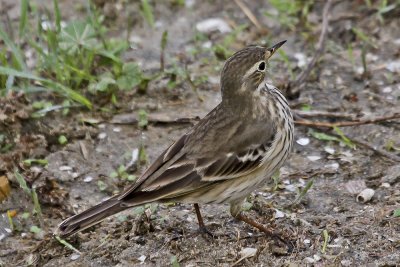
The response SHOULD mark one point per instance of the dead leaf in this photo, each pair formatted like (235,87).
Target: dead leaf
(5,189)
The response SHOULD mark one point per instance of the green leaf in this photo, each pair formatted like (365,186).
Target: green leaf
(102,186)
(344,138)
(29,162)
(67,245)
(174,261)
(147,12)
(22,182)
(324,137)
(396,213)
(164,40)
(77,35)
(143,120)
(131,178)
(62,140)
(34,229)
(36,204)
(247,206)
(364,37)
(103,85)
(25,215)
(326,239)
(306,107)
(131,76)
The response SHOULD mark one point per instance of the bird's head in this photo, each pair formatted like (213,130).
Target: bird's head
(245,70)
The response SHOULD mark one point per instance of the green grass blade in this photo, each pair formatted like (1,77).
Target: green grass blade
(147,12)
(22,182)
(57,15)
(14,49)
(48,83)
(20,74)
(23,18)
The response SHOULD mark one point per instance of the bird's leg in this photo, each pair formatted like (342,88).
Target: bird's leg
(275,236)
(202,227)
(238,214)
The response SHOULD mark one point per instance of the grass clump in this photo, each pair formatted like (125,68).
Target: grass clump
(72,59)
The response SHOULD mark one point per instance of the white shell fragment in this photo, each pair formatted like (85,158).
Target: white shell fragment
(142,258)
(303,141)
(213,24)
(313,158)
(248,252)
(365,195)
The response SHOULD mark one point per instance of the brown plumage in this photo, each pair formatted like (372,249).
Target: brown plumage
(232,151)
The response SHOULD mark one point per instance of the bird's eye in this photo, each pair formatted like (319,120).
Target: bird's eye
(261,66)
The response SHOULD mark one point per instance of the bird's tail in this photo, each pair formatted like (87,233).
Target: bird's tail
(90,217)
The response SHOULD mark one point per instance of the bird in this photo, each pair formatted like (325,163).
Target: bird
(234,150)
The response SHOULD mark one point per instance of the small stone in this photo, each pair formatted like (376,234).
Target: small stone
(213,24)
(346,263)
(248,252)
(88,179)
(333,166)
(329,150)
(75,256)
(102,135)
(313,158)
(142,258)
(309,260)
(65,168)
(117,129)
(393,66)
(303,141)
(387,89)
(279,214)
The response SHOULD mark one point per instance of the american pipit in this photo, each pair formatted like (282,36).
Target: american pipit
(232,151)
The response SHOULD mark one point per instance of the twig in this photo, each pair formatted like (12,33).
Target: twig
(156,118)
(322,113)
(299,82)
(249,14)
(377,150)
(346,123)
(366,145)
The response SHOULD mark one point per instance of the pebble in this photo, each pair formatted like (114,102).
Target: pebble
(213,24)
(387,89)
(385,185)
(142,258)
(393,66)
(75,256)
(65,168)
(303,141)
(279,214)
(88,179)
(102,135)
(329,150)
(313,158)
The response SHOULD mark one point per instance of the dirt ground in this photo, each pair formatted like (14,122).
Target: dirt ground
(326,226)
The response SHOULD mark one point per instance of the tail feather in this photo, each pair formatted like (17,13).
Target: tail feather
(90,217)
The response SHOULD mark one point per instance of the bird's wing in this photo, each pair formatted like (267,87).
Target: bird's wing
(179,170)
(185,176)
